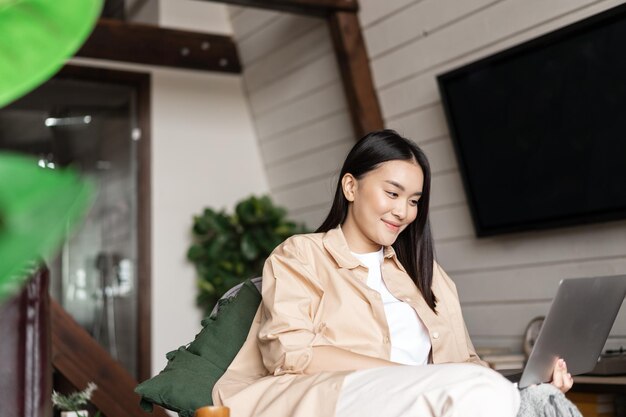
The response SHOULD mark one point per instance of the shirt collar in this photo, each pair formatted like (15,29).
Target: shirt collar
(336,244)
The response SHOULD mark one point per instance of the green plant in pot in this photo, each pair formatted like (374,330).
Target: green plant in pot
(230,248)
(74,404)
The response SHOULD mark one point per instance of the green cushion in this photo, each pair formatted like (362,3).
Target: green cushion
(187,381)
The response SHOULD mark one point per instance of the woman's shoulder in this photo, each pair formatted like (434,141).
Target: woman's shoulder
(300,252)
(300,244)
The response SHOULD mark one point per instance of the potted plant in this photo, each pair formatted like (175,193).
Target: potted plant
(72,405)
(230,248)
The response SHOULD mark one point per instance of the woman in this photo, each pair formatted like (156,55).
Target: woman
(352,315)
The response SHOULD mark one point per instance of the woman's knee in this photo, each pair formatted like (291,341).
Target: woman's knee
(498,395)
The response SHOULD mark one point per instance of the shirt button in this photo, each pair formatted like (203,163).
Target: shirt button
(435,335)
(386,339)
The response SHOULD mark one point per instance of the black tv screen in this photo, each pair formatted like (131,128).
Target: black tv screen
(540,129)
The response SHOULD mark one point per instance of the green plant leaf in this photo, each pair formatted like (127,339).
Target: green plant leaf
(233,247)
(248,247)
(38,207)
(38,36)
(206,286)
(195,253)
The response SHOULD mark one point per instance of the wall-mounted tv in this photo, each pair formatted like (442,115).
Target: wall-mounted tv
(539,130)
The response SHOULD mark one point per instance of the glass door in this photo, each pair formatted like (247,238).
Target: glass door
(92,127)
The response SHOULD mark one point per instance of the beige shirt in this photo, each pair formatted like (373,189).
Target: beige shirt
(315,293)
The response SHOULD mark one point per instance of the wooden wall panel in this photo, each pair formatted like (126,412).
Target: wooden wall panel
(501,20)
(446,190)
(248,21)
(451,222)
(312,217)
(322,103)
(375,11)
(422,125)
(412,94)
(582,242)
(306,140)
(262,43)
(234,11)
(503,320)
(511,319)
(506,342)
(514,343)
(290,56)
(440,155)
(306,80)
(310,167)
(313,193)
(530,281)
(418,21)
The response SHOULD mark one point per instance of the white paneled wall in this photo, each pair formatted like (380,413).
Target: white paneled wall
(304,130)
(297,102)
(504,281)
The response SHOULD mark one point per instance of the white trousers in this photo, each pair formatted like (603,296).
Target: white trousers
(450,390)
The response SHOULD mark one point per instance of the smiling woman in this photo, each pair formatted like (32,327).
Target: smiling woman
(358,318)
(385,184)
(363,292)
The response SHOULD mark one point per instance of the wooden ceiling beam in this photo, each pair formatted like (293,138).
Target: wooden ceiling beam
(151,45)
(305,7)
(355,71)
(114,9)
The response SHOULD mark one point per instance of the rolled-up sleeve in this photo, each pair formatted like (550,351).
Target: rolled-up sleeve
(291,298)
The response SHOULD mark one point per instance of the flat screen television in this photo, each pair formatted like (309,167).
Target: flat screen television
(539,130)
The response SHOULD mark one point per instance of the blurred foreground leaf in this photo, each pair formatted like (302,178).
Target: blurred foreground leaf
(37,37)
(37,208)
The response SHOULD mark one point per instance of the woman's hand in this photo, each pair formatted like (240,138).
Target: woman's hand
(561,378)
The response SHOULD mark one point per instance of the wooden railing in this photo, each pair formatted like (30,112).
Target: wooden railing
(25,372)
(80,359)
(37,334)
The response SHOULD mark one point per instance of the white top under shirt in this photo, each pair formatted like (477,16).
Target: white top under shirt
(410,342)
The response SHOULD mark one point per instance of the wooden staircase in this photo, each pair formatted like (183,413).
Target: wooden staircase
(37,334)
(80,359)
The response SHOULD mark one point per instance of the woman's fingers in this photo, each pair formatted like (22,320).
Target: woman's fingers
(561,378)
(557,374)
(568,382)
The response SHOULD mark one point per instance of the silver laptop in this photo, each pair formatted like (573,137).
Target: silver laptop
(576,327)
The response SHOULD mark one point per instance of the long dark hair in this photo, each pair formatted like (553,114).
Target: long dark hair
(414,246)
